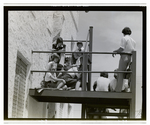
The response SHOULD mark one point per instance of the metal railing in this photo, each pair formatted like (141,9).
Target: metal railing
(88,70)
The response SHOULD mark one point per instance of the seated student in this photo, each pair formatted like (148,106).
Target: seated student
(79,49)
(102,83)
(59,46)
(113,84)
(67,64)
(54,60)
(71,78)
(51,79)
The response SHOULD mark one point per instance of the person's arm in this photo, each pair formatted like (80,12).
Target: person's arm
(76,55)
(94,85)
(57,79)
(122,45)
(60,73)
(118,51)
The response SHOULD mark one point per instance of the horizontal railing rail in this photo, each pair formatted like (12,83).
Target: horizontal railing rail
(81,71)
(80,52)
(74,40)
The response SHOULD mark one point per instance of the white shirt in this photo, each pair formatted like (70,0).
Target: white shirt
(102,84)
(50,64)
(49,76)
(113,84)
(128,44)
(74,74)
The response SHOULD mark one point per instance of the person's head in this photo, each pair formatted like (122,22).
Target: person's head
(126,31)
(55,58)
(67,61)
(59,41)
(59,67)
(79,45)
(52,67)
(104,74)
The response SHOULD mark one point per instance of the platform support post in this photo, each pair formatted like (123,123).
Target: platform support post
(90,56)
(83,111)
(133,85)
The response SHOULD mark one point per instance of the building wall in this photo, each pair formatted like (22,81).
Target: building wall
(35,30)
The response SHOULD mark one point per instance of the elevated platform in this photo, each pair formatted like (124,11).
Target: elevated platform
(82,97)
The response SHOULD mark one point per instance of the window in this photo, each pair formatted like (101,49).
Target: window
(19,89)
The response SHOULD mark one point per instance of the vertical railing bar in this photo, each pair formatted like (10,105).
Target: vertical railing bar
(133,85)
(83,74)
(90,55)
(83,111)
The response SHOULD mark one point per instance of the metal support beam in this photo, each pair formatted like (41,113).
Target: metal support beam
(90,55)
(133,85)
(84,74)
(83,111)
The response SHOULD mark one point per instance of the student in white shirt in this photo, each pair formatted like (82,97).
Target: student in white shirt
(50,77)
(113,83)
(127,46)
(102,83)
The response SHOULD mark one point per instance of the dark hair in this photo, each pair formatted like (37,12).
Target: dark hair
(79,42)
(67,59)
(59,67)
(59,40)
(104,74)
(55,56)
(126,31)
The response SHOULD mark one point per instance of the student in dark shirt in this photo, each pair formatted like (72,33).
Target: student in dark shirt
(59,46)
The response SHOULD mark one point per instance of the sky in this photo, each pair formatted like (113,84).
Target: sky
(107,34)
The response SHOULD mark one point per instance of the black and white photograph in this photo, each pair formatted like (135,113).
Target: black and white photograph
(75,63)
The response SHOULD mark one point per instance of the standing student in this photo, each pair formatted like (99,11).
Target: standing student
(127,45)
(79,49)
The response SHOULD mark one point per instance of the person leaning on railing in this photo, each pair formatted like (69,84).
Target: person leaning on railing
(127,46)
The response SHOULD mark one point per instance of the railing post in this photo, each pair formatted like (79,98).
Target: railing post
(84,75)
(133,85)
(90,56)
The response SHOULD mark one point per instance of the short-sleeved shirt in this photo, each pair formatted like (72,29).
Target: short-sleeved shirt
(102,84)
(48,77)
(77,55)
(128,44)
(49,66)
(74,74)
(113,84)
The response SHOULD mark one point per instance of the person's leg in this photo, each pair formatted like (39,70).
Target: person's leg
(123,63)
(77,85)
(60,85)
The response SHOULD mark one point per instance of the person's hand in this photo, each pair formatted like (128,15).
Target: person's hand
(113,55)
(63,81)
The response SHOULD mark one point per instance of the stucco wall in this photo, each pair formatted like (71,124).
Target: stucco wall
(34,30)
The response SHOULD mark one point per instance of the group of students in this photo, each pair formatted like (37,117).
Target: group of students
(73,80)
(57,62)
(103,83)
(122,80)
